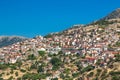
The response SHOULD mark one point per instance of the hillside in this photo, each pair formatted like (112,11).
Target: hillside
(9,40)
(87,52)
(113,15)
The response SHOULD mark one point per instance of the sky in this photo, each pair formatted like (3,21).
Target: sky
(39,17)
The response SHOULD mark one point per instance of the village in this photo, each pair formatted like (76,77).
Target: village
(94,45)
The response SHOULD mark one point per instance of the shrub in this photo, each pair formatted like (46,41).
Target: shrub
(98,72)
(41,53)
(11,71)
(90,74)
(115,77)
(1,79)
(19,78)
(40,69)
(0,75)
(10,78)
(117,44)
(31,57)
(13,67)
(75,75)
(33,66)
(8,74)
(16,73)
(114,73)
(104,73)
(33,76)
(88,68)
(3,66)
(56,61)
(117,57)
(22,70)
(19,64)
(54,79)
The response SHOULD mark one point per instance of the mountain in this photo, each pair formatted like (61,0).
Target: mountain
(113,15)
(82,52)
(9,40)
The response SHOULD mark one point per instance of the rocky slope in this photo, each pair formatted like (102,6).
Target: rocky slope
(9,40)
(114,15)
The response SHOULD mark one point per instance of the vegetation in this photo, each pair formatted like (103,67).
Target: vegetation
(117,44)
(75,75)
(10,78)
(114,73)
(54,79)
(3,66)
(40,69)
(22,70)
(103,75)
(88,68)
(98,72)
(1,79)
(48,36)
(16,73)
(115,77)
(117,57)
(90,74)
(31,57)
(33,66)
(33,76)
(56,62)
(102,22)
(13,67)
(11,71)
(41,53)
(85,63)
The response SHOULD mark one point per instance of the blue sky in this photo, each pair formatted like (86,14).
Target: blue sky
(39,17)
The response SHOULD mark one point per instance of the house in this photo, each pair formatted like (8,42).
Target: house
(53,50)
(41,49)
(12,60)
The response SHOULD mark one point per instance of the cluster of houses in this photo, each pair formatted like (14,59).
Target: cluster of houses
(92,42)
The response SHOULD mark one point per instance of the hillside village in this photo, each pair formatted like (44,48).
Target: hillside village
(90,52)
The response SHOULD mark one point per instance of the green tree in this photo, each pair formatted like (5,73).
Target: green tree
(33,66)
(90,74)
(98,61)
(115,77)
(10,78)
(19,64)
(31,57)
(60,52)
(33,76)
(88,68)
(40,69)
(54,79)
(1,79)
(117,57)
(13,67)
(22,70)
(11,71)
(117,44)
(3,66)
(16,73)
(41,53)
(75,75)
(19,78)
(56,61)
(0,75)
